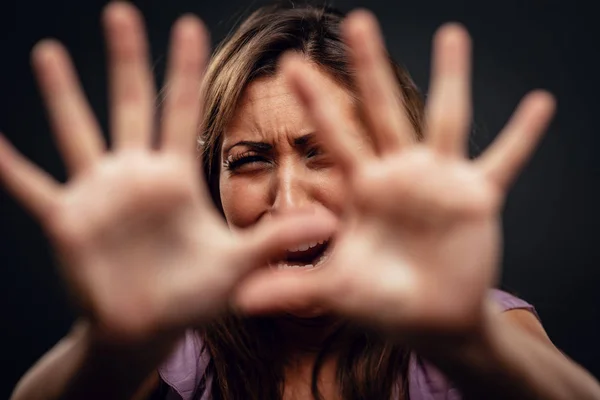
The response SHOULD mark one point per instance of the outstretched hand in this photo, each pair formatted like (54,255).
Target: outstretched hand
(422,239)
(140,245)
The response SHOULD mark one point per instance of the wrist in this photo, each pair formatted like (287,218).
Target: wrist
(468,348)
(141,353)
(480,362)
(456,346)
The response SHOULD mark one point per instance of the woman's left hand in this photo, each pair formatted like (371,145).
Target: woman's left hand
(421,241)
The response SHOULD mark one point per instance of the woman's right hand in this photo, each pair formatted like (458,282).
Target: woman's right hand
(139,243)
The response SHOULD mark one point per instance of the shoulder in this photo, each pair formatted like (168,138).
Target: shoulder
(508,302)
(185,369)
(517,312)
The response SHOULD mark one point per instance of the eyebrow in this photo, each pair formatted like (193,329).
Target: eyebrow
(258,146)
(304,139)
(264,147)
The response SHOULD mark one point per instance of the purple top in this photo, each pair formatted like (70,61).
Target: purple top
(184,370)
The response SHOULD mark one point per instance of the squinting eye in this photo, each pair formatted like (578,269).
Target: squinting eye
(235,163)
(313,152)
(318,158)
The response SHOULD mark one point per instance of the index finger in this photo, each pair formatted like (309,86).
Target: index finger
(336,131)
(381,95)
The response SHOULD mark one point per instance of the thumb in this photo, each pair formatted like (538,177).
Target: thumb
(303,293)
(270,240)
(268,291)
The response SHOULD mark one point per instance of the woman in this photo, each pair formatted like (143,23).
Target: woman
(358,242)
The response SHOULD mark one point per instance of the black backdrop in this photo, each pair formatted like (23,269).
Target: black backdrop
(550,219)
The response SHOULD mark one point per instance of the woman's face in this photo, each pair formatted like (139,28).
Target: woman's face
(273,165)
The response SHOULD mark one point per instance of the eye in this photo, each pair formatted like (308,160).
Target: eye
(318,158)
(313,152)
(247,159)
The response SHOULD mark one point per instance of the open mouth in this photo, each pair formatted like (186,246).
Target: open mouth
(306,255)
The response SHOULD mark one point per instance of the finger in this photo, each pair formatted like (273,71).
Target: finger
(379,89)
(276,291)
(506,156)
(270,239)
(77,133)
(335,131)
(449,105)
(254,249)
(32,187)
(131,83)
(189,50)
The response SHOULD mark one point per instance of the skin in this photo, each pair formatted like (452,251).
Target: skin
(293,176)
(290,178)
(136,261)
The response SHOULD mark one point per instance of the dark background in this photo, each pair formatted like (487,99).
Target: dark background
(550,219)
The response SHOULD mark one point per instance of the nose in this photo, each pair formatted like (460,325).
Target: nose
(290,190)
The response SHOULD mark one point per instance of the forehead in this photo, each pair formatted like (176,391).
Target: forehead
(269,108)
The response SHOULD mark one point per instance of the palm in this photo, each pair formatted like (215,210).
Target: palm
(421,242)
(426,231)
(132,230)
(140,244)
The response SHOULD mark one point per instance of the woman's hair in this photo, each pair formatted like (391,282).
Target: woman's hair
(247,361)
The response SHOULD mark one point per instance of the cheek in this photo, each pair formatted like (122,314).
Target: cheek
(243,199)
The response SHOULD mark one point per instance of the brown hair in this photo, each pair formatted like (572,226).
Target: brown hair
(246,360)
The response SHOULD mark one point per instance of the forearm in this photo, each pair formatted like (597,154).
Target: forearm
(508,362)
(81,367)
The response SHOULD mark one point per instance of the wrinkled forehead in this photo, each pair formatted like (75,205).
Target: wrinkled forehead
(269,109)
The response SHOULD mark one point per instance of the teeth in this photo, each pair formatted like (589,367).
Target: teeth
(305,246)
(286,266)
